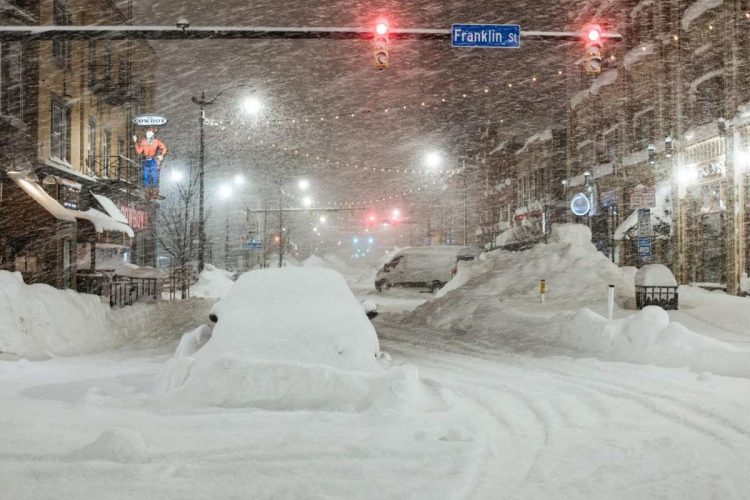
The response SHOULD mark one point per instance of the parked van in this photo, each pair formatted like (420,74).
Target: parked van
(430,267)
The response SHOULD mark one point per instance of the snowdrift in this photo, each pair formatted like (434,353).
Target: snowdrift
(495,302)
(213,283)
(39,321)
(291,338)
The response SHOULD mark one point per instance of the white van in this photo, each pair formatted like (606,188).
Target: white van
(430,267)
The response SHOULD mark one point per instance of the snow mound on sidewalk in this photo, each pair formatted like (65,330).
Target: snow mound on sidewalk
(114,445)
(213,283)
(648,337)
(38,321)
(288,338)
(576,275)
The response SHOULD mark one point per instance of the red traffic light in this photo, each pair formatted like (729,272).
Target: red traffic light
(594,34)
(381,28)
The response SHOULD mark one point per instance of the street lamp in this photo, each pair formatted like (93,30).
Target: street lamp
(433,159)
(302,185)
(203,102)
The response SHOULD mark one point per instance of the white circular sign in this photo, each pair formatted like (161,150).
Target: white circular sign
(580,204)
(149,120)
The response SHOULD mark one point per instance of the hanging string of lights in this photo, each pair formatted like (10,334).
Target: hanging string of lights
(422,104)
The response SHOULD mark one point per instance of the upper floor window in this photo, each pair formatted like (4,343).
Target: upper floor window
(61,16)
(60,130)
(643,128)
(92,65)
(11,80)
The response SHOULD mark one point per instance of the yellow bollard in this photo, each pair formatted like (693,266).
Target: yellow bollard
(542,290)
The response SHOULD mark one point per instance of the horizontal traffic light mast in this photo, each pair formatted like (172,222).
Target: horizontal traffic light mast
(183,31)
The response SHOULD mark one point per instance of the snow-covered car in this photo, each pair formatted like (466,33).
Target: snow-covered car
(430,267)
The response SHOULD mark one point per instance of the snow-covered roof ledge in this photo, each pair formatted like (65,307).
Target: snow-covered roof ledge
(543,136)
(103,222)
(635,55)
(696,10)
(703,79)
(498,148)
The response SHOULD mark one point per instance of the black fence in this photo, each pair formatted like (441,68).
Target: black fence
(127,291)
(665,297)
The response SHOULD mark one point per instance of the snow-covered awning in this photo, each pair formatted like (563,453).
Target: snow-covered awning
(101,221)
(111,209)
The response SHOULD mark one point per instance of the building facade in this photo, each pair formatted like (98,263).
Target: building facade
(72,206)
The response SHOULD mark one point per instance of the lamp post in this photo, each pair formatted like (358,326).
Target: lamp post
(302,185)
(203,102)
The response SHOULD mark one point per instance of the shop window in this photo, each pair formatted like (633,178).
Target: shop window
(60,131)
(67,268)
(714,198)
(26,264)
(83,256)
(11,79)
(61,16)
(91,146)
(70,197)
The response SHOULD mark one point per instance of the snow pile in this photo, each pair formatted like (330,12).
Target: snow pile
(648,337)
(213,283)
(114,445)
(292,338)
(39,321)
(576,275)
(655,275)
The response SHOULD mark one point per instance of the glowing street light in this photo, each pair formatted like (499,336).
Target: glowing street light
(303,185)
(176,176)
(306,201)
(433,159)
(323,219)
(239,180)
(225,191)
(381,28)
(252,105)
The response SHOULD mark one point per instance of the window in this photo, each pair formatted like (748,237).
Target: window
(69,197)
(60,133)
(91,146)
(643,128)
(92,65)
(12,79)
(106,140)
(61,16)
(67,250)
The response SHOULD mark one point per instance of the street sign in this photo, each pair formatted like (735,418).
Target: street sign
(149,121)
(642,197)
(644,222)
(252,245)
(488,36)
(644,249)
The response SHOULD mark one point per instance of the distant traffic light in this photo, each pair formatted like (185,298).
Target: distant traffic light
(380,45)
(593,60)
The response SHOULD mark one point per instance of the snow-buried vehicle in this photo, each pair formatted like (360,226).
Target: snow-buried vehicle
(290,338)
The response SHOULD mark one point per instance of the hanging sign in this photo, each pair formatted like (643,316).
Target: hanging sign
(149,120)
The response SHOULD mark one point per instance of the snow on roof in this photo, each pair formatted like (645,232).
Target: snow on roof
(101,221)
(635,55)
(39,195)
(543,136)
(703,79)
(697,9)
(498,148)
(637,9)
(606,78)
(111,209)
(659,213)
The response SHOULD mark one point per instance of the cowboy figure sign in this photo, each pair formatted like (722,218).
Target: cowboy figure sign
(152,152)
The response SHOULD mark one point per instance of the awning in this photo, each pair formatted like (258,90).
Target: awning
(101,221)
(111,209)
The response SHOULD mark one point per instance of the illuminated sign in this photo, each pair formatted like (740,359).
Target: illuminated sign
(580,204)
(149,120)
(137,219)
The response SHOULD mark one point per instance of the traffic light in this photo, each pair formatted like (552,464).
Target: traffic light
(593,61)
(380,45)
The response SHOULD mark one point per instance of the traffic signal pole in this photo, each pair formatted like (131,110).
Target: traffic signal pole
(184,31)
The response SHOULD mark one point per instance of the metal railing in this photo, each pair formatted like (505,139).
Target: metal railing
(179,281)
(127,291)
(116,167)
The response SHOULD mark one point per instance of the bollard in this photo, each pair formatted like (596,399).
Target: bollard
(542,290)
(611,302)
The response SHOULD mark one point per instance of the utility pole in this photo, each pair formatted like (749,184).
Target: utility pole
(201,185)
(265,239)
(281,229)
(226,243)
(466,210)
